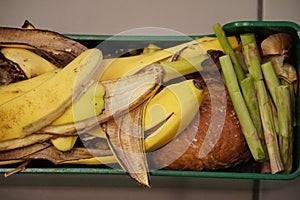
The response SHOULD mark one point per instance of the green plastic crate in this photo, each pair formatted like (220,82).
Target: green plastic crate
(134,42)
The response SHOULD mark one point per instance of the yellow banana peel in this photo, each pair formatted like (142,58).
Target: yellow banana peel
(30,63)
(65,143)
(19,117)
(90,104)
(13,90)
(119,67)
(172,109)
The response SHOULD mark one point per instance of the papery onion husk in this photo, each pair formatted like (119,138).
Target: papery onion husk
(276,44)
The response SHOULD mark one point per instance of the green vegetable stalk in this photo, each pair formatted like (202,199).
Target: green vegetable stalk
(229,51)
(271,79)
(253,62)
(241,109)
(250,97)
(269,127)
(285,125)
(293,100)
(248,38)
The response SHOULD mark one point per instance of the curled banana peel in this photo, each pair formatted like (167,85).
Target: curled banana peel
(13,90)
(90,104)
(29,62)
(170,112)
(120,67)
(125,133)
(125,138)
(19,118)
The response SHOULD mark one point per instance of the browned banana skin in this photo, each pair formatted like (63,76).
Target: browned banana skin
(47,43)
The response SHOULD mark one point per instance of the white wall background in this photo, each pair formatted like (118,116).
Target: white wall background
(114,16)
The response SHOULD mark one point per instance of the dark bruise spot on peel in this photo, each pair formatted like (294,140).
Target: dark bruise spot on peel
(10,72)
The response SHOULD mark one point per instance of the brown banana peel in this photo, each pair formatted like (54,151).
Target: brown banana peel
(22,152)
(126,140)
(60,49)
(41,39)
(26,141)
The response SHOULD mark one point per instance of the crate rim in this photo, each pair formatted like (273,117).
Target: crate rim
(239,24)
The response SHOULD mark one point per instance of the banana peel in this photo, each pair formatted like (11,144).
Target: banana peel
(22,152)
(19,118)
(26,141)
(13,90)
(57,48)
(121,95)
(9,162)
(124,134)
(65,143)
(46,151)
(120,67)
(125,138)
(41,39)
(183,67)
(90,104)
(171,111)
(30,63)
